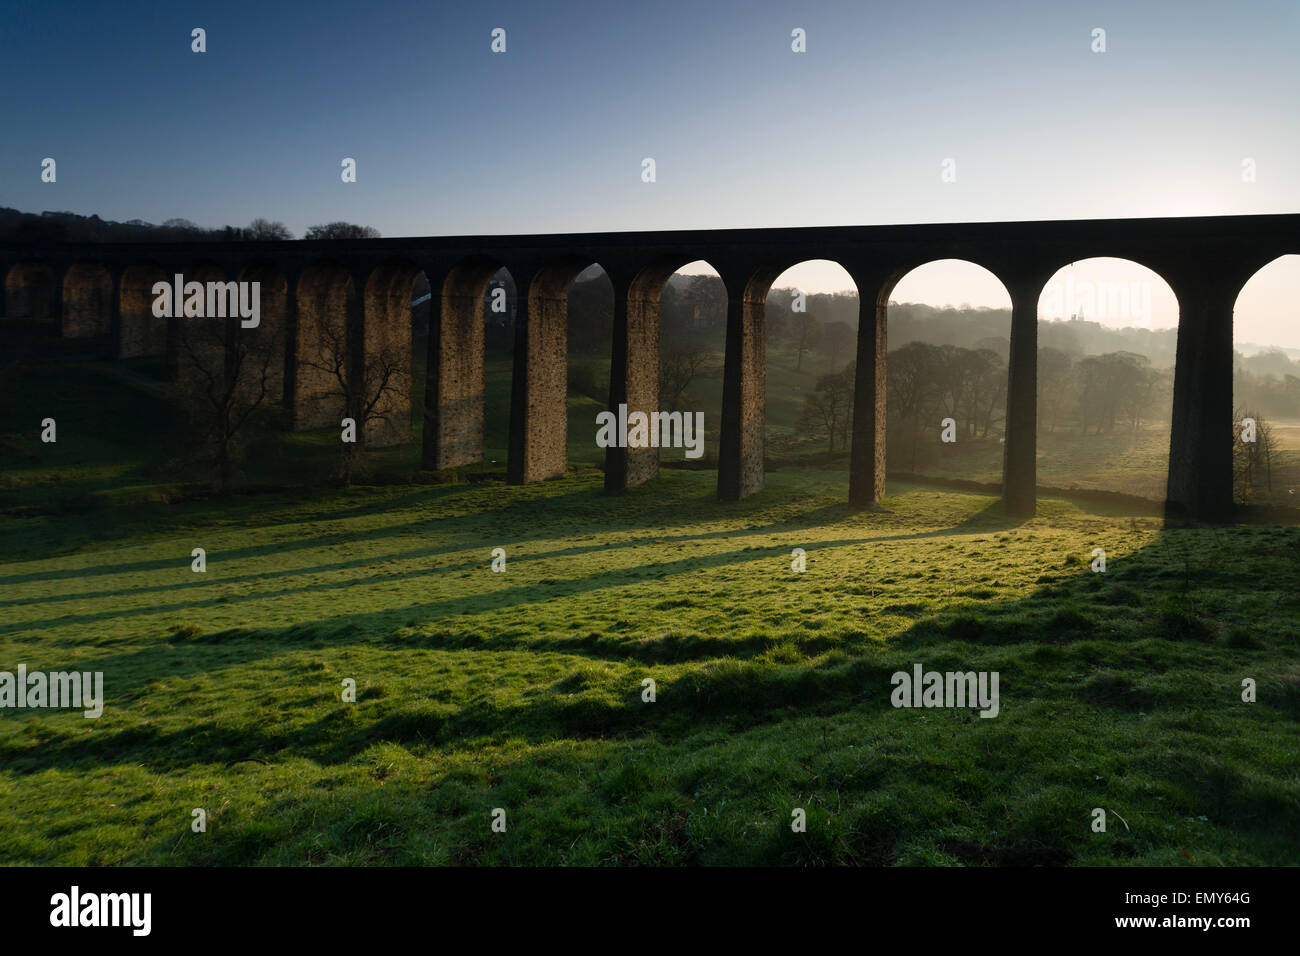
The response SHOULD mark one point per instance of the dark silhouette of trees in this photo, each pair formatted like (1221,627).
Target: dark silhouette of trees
(340,230)
(371,393)
(261,230)
(227,376)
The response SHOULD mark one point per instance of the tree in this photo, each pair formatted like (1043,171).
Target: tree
(1113,385)
(679,366)
(807,333)
(1055,370)
(227,374)
(1252,462)
(913,394)
(987,389)
(341,230)
(371,393)
(828,409)
(837,342)
(590,315)
(261,230)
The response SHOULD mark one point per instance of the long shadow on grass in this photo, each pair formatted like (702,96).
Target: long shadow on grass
(987,518)
(505,597)
(238,648)
(1092,646)
(816,517)
(515,516)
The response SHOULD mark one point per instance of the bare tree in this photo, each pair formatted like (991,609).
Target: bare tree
(828,408)
(1252,461)
(264,229)
(679,366)
(227,374)
(370,392)
(341,230)
(807,333)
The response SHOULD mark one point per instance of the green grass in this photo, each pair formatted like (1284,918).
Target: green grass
(522,690)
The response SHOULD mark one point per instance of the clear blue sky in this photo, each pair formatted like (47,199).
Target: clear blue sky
(450,138)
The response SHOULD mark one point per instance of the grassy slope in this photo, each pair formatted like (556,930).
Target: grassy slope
(521,690)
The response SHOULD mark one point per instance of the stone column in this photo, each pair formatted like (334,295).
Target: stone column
(744,391)
(539,430)
(867,458)
(114,346)
(290,347)
(1019,461)
(59,274)
(1200,439)
(455,386)
(634,375)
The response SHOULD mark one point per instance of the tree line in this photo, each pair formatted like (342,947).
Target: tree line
(1088,395)
(72,227)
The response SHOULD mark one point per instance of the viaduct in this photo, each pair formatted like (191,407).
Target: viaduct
(359,292)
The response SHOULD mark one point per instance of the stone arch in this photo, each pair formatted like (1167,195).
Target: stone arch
(87,301)
(328,309)
(31,291)
(140,333)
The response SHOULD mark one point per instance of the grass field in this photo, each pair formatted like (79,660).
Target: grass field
(523,690)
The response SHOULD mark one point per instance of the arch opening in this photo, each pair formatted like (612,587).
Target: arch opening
(1266,386)
(30,291)
(589,333)
(949,335)
(87,302)
(811,313)
(690,317)
(1107,343)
